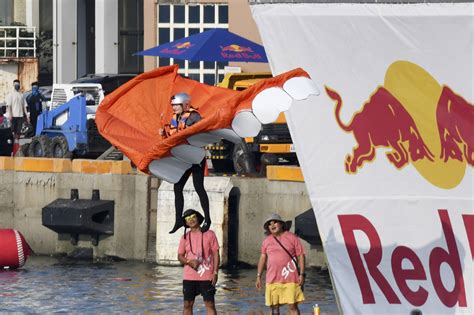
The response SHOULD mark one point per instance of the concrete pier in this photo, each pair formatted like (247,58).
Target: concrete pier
(24,194)
(144,212)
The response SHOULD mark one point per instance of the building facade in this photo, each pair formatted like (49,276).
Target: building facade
(77,37)
(166,21)
(96,37)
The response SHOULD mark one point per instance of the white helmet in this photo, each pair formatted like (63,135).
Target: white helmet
(181,98)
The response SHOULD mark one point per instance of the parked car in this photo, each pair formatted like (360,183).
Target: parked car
(108,81)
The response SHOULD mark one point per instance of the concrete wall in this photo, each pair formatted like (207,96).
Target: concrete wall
(23,69)
(149,34)
(8,73)
(241,22)
(32,13)
(19,11)
(218,189)
(7,205)
(24,194)
(259,198)
(64,41)
(238,205)
(106,36)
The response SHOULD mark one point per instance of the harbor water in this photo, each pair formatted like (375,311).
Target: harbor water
(59,285)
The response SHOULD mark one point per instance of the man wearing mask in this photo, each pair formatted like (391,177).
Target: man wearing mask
(16,109)
(35,104)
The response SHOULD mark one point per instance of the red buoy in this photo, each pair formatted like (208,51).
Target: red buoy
(14,249)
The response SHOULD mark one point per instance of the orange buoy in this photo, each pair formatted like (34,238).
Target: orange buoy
(15,249)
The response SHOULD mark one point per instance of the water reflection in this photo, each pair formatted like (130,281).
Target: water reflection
(48,285)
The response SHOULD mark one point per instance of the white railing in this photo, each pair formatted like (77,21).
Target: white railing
(17,42)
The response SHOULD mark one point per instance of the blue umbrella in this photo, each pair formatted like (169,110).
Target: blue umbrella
(213,45)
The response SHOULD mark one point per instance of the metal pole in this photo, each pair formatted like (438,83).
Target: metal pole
(34,41)
(17,41)
(216,79)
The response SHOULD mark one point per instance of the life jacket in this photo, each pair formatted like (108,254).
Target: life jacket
(176,125)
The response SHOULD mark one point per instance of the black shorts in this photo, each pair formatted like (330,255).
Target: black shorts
(192,288)
(17,123)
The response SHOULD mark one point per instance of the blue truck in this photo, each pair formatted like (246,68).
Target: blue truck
(67,131)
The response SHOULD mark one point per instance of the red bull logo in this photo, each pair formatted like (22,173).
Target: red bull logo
(184,45)
(177,49)
(234,52)
(418,120)
(236,48)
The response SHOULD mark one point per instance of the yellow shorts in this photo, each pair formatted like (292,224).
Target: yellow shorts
(283,293)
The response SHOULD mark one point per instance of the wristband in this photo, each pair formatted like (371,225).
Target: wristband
(259,275)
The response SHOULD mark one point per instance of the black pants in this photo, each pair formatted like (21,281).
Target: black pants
(17,123)
(34,121)
(197,170)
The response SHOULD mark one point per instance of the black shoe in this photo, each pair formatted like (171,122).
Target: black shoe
(176,227)
(206,225)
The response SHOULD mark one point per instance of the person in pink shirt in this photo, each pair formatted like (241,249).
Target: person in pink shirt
(199,253)
(283,255)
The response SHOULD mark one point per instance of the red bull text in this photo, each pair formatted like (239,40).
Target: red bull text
(449,257)
(239,52)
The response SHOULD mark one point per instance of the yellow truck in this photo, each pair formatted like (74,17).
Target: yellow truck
(271,146)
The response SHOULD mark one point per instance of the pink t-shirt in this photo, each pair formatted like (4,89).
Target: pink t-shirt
(191,247)
(280,267)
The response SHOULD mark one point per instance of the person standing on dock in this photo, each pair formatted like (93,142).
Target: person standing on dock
(283,255)
(35,104)
(198,251)
(16,109)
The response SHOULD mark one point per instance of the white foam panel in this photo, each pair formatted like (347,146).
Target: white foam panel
(269,103)
(203,139)
(169,169)
(189,153)
(300,88)
(245,124)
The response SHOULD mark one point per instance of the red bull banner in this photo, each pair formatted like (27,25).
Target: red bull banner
(387,148)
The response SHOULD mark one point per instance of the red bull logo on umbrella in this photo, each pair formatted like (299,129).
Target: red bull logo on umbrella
(236,48)
(418,120)
(184,45)
(237,51)
(178,48)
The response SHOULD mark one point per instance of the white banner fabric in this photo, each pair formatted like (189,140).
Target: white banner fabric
(387,149)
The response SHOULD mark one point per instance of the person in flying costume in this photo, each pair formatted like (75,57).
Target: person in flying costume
(133,117)
(184,115)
